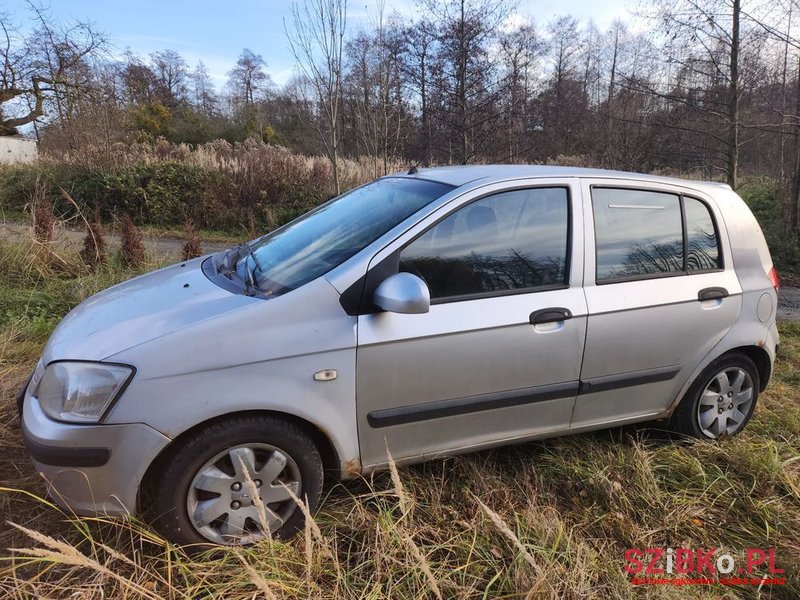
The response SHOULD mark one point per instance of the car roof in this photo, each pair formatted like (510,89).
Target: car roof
(462,175)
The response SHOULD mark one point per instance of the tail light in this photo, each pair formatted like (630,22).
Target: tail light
(773,277)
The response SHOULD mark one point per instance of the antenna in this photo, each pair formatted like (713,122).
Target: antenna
(415,167)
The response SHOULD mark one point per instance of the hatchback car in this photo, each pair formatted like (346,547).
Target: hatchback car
(421,315)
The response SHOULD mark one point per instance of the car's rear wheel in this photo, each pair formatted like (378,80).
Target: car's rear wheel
(237,481)
(721,400)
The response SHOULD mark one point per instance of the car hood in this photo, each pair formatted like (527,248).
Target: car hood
(140,310)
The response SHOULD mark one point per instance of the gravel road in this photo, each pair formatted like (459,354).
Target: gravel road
(789,303)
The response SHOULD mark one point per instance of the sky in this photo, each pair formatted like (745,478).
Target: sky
(216,32)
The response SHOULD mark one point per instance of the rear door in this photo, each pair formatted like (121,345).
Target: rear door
(498,355)
(660,290)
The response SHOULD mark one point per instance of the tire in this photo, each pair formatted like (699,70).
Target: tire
(200,497)
(721,400)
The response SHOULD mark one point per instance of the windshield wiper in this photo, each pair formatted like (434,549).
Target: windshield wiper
(232,257)
(252,255)
(228,263)
(249,280)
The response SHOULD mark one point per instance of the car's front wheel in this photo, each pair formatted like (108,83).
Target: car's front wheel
(721,400)
(237,481)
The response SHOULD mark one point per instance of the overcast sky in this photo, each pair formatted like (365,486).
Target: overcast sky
(215,32)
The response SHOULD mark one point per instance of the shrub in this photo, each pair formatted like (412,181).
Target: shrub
(41,208)
(194,245)
(764,197)
(94,245)
(132,251)
(234,187)
(43,222)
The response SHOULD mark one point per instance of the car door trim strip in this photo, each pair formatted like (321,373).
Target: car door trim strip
(460,406)
(620,380)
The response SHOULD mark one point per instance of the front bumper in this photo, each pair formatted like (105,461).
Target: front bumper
(90,469)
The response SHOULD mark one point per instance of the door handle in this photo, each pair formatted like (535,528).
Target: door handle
(550,315)
(712,293)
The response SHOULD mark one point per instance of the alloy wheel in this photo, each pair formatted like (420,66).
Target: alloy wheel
(243,493)
(725,402)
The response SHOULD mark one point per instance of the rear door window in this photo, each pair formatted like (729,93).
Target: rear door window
(641,234)
(638,233)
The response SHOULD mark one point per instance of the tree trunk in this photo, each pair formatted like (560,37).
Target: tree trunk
(462,88)
(610,99)
(426,126)
(733,101)
(794,197)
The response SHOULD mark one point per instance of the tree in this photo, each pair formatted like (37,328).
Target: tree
(139,81)
(204,97)
(705,43)
(417,55)
(171,76)
(317,42)
(564,102)
(520,49)
(248,81)
(467,82)
(249,87)
(375,90)
(43,69)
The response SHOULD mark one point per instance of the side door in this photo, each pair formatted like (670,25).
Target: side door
(661,292)
(498,355)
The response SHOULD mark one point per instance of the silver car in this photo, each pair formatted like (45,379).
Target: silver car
(421,315)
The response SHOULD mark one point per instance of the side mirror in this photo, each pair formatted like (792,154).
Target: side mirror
(403,293)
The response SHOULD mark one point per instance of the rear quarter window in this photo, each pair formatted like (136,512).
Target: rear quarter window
(702,244)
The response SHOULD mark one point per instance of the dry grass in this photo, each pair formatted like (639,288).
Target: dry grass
(240,189)
(542,520)
(194,245)
(94,251)
(224,156)
(132,252)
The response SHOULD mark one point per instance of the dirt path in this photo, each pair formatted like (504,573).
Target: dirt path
(789,303)
(158,247)
(170,249)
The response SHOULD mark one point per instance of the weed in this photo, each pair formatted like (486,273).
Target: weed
(132,251)
(194,245)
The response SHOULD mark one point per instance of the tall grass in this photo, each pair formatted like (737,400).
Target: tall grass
(549,519)
(217,185)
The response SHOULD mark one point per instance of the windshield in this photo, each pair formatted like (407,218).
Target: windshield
(327,236)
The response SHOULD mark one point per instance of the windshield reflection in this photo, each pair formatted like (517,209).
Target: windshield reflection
(326,237)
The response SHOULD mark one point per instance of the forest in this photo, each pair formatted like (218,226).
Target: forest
(702,88)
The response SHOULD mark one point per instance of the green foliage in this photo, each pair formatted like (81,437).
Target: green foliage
(216,185)
(764,197)
(152,119)
(163,194)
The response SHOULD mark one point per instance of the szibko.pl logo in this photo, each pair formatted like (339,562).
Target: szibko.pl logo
(704,565)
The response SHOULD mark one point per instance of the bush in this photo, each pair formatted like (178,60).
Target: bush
(43,223)
(93,252)
(764,196)
(194,245)
(216,185)
(132,251)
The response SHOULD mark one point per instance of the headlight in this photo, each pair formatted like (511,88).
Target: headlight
(80,392)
